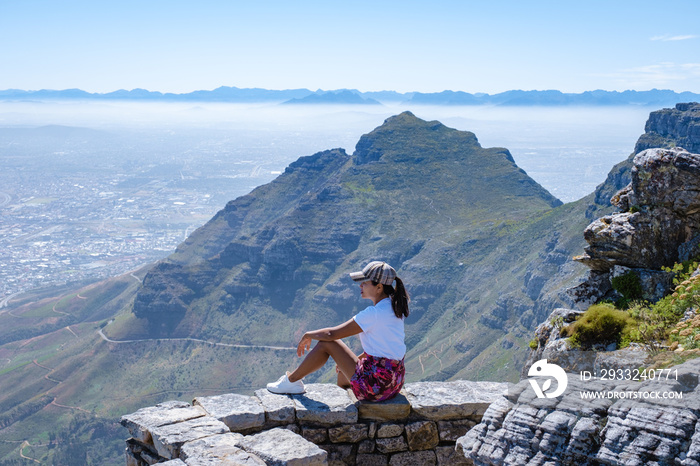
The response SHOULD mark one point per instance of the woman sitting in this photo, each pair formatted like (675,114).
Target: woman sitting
(378,373)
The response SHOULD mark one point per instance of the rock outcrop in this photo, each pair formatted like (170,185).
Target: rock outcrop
(672,127)
(659,213)
(326,425)
(658,225)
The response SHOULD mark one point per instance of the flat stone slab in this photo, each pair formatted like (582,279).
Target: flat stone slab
(218,450)
(441,401)
(170,438)
(239,412)
(142,421)
(280,446)
(395,409)
(278,408)
(325,404)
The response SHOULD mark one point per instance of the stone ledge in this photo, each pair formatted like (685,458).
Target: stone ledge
(169,439)
(326,424)
(218,449)
(444,401)
(279,409)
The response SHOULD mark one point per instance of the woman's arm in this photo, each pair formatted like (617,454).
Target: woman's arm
(343,330)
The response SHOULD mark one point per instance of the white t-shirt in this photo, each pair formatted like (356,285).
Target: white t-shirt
(382,332)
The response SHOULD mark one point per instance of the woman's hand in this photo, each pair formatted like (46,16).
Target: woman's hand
(304,345)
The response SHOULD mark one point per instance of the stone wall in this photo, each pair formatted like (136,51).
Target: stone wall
(326,425)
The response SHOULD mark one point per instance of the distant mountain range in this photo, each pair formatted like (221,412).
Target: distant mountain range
(343,97)
(654,97)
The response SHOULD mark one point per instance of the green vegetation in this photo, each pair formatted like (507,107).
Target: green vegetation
(629,286)
(658,326)
(600,324)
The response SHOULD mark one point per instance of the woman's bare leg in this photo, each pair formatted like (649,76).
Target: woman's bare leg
(317,357)
(343,382)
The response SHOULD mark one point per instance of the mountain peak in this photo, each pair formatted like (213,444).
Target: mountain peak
(404,132)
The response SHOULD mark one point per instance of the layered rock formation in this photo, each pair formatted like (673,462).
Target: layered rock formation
(626,423)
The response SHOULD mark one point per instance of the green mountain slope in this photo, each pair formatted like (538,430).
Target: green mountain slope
(458,221)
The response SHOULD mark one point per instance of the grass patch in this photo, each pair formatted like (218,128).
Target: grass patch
(629,286)
(600,324)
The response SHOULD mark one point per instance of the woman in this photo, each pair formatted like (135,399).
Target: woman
(378,373)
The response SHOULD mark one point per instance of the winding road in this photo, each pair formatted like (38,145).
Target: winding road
(6,300)
(21,452)
(197,340)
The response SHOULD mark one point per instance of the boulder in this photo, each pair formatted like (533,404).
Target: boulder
(218,450)
(660,213)
(170,438)
(240,413)
(144,420)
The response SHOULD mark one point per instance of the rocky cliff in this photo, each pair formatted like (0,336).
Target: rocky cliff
(658,224)
(667,128)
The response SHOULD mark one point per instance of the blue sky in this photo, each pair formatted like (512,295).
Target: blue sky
(473,46)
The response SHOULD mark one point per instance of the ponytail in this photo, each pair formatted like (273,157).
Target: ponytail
(399,298)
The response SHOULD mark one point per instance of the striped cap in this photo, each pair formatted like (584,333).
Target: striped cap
(376,271)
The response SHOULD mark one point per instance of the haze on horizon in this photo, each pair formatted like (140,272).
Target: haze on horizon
(410,46)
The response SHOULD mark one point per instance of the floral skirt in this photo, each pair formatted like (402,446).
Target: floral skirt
(377,379)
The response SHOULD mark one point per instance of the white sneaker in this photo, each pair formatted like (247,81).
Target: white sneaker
(284,386)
